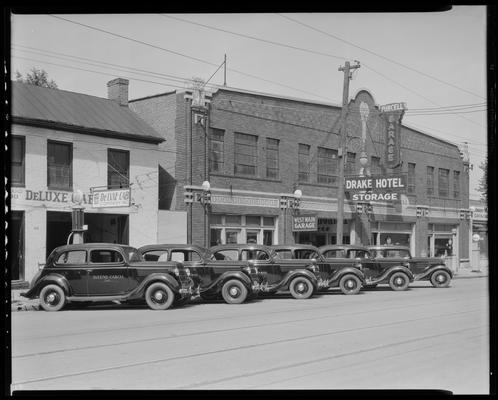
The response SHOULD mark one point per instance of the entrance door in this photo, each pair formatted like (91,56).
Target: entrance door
(16,246)
(107,273)
(59,227)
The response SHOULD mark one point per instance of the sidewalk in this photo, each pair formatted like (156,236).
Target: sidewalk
(19,303)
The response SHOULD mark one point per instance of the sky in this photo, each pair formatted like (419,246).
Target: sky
(435,62)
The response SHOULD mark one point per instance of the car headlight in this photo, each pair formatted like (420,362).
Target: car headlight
(176,271)
(256,270)
(187,271)
(247,269)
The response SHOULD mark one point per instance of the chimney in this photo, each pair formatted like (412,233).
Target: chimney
(117,90)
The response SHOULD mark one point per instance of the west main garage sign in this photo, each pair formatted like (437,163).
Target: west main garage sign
(376,188)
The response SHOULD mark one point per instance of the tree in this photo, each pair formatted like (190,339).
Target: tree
(38,77)
(483,182)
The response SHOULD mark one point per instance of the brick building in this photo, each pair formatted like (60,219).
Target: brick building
(62,142)
(256,150)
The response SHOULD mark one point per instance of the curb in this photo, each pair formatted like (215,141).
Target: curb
(19,306)
(469,276)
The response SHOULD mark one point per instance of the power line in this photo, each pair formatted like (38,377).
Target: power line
(186,56)
(381,56)
(256,38)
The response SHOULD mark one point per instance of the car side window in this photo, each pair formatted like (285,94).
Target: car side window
(105,256)
(334,254)
(177,256)
(72,257)
(305,254)
(226,255)
(254,255)
(156,255)
(284,254)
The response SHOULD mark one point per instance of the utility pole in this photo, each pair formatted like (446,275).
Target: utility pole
(225,71)
(342,153)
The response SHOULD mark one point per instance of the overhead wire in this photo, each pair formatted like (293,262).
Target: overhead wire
(381,56)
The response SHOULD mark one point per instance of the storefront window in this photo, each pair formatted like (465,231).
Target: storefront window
(456,184)
(327,166)
(256,229)
(18,152)
(217,152)
(246,154)
(304,163)
(59,165)
(430,181)
(272,158)
(118,169)
(16,245)
(411,178)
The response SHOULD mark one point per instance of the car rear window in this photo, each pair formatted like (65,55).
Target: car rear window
(72,257)
(105,256)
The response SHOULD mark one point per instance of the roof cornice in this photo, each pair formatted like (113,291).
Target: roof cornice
(85,130)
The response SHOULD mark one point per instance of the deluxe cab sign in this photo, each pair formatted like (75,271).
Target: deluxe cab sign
(111,198)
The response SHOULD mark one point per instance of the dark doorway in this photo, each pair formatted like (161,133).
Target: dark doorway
(107,228)
(16,246)
(59,226)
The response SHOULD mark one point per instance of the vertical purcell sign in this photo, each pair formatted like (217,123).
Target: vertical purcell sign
(392,114)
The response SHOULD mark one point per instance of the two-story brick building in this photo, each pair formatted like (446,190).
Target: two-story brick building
(257,149)
(64,142)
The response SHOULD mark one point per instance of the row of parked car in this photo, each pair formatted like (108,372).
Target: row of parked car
(165,275)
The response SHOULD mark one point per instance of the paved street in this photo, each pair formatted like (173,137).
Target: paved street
(424,338)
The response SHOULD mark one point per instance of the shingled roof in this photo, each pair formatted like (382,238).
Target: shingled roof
(77,112)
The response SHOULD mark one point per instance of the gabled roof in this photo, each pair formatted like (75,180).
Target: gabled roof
(77,112)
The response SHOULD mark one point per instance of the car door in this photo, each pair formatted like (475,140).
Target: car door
(72,264)
(107,273)
(224,260)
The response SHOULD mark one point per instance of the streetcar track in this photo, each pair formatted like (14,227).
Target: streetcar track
(335,356)
(205,332)
(170,323)
(342,366)
(251,346)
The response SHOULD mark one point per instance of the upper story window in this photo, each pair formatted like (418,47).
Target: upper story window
(375,165)
(272,170)
(456,184)
(59,165)
(430,181)
(118,168)
(327,166)
(18,168)
(411,178)
(303,156)
(246,154)
(217,156)
(350,164)
(443,182)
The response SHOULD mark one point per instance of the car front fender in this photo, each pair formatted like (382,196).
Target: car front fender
(217,284)
(165,278)
(391,270)
(336,277)
(300,272)
(431,269)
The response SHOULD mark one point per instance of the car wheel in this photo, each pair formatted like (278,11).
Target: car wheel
(234,292)
(52,298)
(440,279)
(301,288)
(399,281)
(159,296)
(350,284)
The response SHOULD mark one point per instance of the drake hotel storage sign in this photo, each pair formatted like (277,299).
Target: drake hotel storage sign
(376,188)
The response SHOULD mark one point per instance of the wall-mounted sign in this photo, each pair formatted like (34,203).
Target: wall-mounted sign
(47,196)
(111,198)
(304,223)
(393,113)
(376,188)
